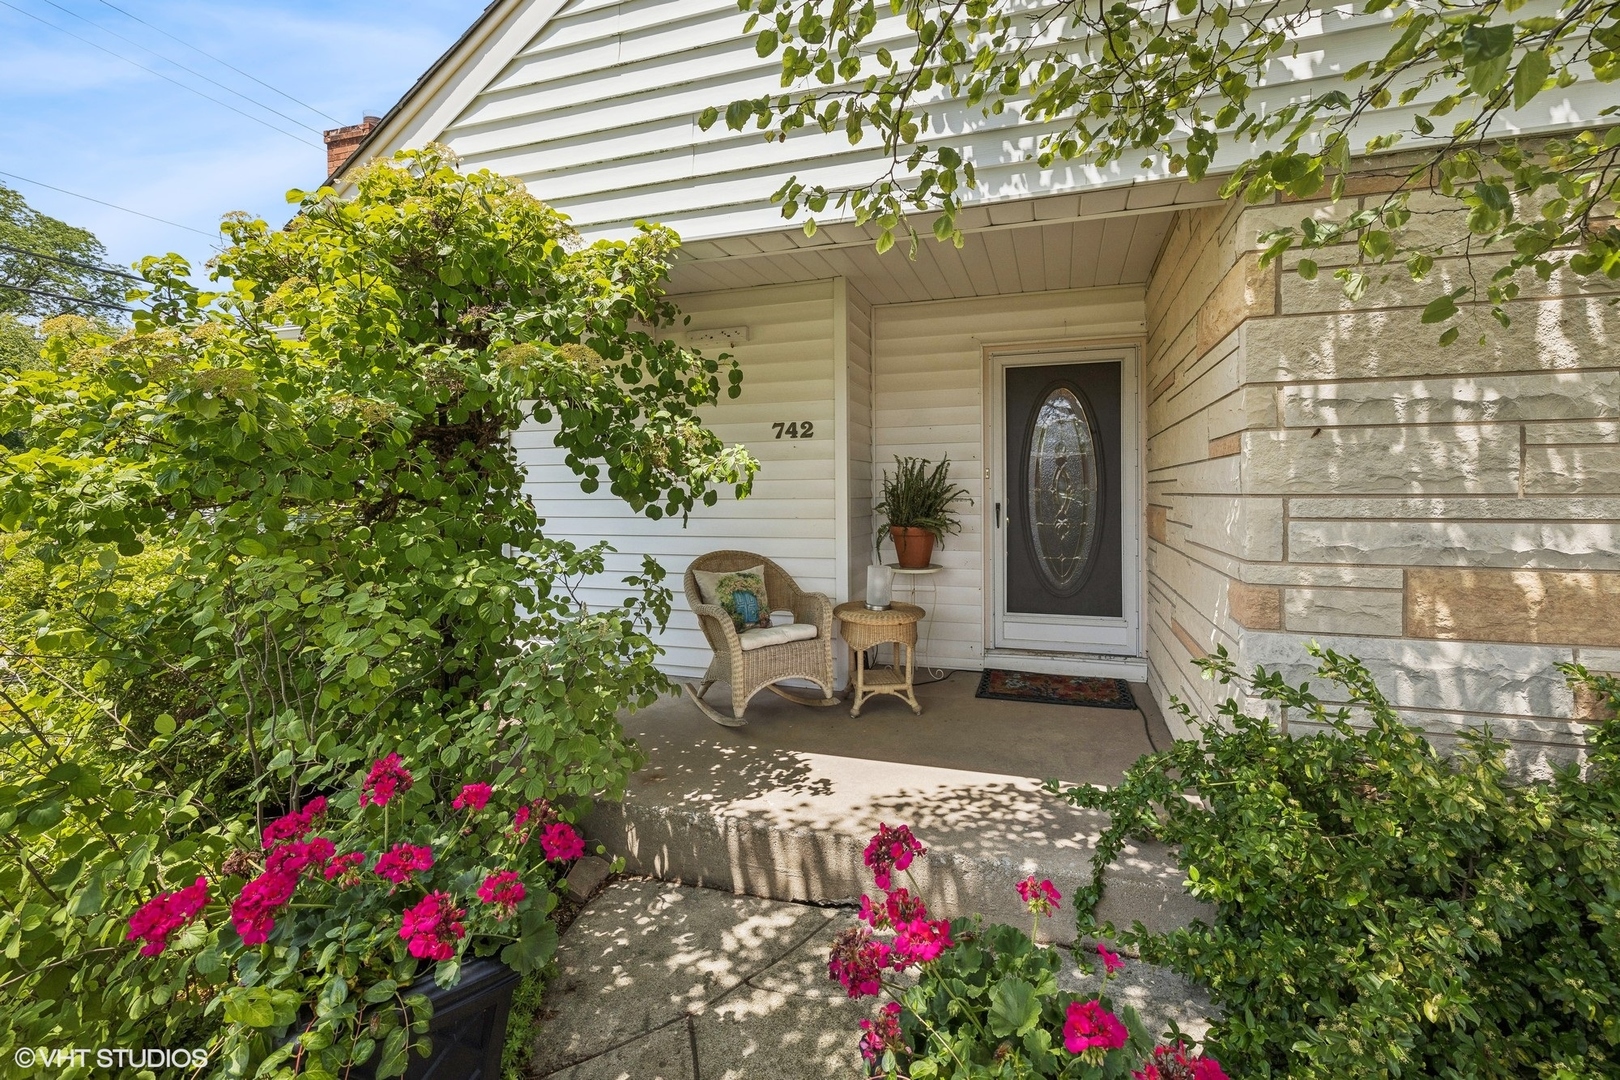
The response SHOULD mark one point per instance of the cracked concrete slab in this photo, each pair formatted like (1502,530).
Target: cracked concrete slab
(668,982)
(643,954)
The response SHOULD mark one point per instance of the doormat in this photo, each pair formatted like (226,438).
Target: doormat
(1056,689)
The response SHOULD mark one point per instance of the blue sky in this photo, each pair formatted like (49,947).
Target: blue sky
(75,117)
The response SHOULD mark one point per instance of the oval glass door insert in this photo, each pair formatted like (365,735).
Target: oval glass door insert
(1063,486)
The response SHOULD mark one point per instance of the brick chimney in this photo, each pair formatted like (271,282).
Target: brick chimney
(342,142)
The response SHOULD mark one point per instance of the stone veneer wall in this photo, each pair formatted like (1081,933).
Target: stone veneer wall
(1321,470)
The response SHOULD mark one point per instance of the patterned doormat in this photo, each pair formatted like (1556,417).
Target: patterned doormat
(1056,689)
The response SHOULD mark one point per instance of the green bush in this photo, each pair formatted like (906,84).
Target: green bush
(318,453)
(1383,910)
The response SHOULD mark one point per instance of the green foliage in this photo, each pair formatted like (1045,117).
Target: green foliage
(61,266)
(917,497)
(990,1007)
(319,450)
(523,1024)
(1107,83)
(1382,910)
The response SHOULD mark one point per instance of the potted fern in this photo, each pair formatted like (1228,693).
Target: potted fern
(916,506)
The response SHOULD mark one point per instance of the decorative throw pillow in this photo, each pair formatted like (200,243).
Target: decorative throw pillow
(741,593)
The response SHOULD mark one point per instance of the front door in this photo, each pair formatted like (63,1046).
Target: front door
(1065,505)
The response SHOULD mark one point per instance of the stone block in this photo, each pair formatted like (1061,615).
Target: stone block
(1558,545)
(1255,607)
(1226,445)
(1458,400)
(1246,291)
(586,876)
(1259,220)
(1572,470)
(1188,642)
(1329,576)
(1544,336)
(1415,460)
(1486,679)
(1492,508)
(1157,523)
(1572,433)
(1543,607)
(1210,475)
(1343,611)
(1248,528)
(1326,293)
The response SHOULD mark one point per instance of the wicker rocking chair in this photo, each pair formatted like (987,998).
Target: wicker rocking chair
(750,667)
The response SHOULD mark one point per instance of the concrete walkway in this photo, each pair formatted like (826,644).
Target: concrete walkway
(782,808)
(666,982)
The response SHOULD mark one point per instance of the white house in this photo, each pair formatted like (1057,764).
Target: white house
(1276,465)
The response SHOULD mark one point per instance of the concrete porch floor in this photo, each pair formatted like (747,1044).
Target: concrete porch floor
(783,808)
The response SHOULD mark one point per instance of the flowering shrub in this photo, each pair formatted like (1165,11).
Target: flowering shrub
(1382,910)
(985,1000)
(417,902)
(349,595)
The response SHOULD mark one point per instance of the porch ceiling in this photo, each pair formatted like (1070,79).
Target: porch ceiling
(1035,245)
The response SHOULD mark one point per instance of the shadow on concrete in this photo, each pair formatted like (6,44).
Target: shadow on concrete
(784,807)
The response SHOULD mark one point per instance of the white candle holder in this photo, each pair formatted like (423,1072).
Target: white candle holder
(879,587)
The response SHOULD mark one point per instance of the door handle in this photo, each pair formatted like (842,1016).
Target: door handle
(998,515)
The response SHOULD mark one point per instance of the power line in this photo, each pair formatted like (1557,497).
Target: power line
(71,262)
(64,296)
(103,202)
(151,71)
(217,60)
(182,67)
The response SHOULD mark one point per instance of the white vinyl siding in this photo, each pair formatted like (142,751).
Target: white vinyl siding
(928,373)
(789,516)
(595,103)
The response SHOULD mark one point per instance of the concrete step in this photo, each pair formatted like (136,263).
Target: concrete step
(783,808)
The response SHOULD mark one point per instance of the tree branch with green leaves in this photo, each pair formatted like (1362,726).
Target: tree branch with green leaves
(1192,86)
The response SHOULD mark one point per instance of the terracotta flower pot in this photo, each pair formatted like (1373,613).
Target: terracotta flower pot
(912,547)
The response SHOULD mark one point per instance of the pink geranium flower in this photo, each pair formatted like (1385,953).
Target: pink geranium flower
(891,850)
(920,940)
(295,855)
(1179,1063)
(388,777)
(1041,897)
(432,927)
(296,825)
(857,962)
(472,797)
(1110,959)
(1087,1025)
(561,843)
(504,890)
(253,912)
(403,860)
(345,869)
(158,918)
(882,1034)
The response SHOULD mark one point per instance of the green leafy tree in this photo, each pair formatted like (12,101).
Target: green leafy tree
(48,267)
(1178,82)
(320,452)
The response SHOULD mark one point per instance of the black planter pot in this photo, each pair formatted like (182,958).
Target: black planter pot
(468,1028)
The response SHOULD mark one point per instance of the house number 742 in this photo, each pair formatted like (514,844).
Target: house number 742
(802,429)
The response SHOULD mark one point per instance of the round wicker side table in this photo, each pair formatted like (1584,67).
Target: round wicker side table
(862,628)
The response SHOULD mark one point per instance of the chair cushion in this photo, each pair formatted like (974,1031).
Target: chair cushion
(775,635)
(740,592)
